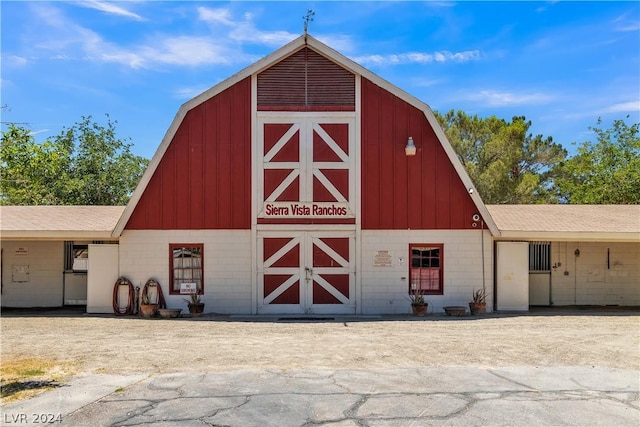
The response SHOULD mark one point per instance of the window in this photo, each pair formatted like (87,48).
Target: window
(76,257)
(425,269)
(539,256)
(186,266)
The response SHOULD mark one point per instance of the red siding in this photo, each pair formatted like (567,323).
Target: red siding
(400,192)
(203,180)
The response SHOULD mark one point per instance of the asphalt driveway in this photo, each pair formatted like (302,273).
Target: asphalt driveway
(559,368)
(469,396)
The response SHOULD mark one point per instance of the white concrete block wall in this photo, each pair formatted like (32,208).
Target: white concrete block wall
(227,265)
(45,261)
(384,290)
(589,280)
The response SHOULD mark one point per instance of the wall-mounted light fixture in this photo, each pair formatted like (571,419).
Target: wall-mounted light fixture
(410,149)
(577,252)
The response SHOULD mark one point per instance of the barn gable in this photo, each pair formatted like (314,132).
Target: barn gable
(202,175)
(202,180)
(306,81)
(399,192)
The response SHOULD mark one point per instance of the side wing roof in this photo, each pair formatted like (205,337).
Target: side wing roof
(58,222)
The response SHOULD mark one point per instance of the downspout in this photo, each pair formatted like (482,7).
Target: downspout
(484,288)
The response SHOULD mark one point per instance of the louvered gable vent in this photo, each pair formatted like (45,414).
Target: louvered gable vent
(306,80)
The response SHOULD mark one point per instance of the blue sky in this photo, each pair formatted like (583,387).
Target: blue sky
(560,64)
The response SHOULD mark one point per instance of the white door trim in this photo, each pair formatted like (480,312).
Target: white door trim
(305,273)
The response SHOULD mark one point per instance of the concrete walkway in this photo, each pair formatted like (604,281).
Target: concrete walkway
(468,396)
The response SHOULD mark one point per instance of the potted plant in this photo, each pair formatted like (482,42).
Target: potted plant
(478,304)
(147,308)
(418,304)
(195,305)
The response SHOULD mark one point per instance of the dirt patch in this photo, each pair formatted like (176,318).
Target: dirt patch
(127,345)
(24,378)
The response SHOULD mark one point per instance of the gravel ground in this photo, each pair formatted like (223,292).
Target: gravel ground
(109,344)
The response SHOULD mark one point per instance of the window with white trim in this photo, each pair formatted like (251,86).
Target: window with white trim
(426,268)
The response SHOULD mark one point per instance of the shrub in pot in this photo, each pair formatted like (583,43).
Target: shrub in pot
(418,304)
(478,304)
(195,305)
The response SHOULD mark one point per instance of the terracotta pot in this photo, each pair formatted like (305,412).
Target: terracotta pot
(477,308)
(196,310)
(419,309)
(148,310)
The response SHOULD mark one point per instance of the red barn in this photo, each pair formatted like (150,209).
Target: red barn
(293,187)
(305,184)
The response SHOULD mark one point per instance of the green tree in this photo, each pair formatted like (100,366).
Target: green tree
(604,172)
(86,164)
(32,173)
(506,165)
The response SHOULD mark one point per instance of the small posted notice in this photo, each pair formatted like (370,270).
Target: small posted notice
(383,259)
(187,288)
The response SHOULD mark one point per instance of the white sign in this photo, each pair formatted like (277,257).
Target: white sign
(383,259)
(188,288)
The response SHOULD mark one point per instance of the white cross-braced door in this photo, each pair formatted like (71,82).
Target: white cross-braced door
(306,272)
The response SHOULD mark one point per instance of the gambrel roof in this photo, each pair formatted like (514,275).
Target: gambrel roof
(277,56)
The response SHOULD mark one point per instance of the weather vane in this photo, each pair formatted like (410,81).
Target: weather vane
(308,17)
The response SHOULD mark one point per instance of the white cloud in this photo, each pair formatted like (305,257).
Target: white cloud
(67,40)
(220,16)
(244,30)
(628,27)
(181,51)
(341,43)
(500,99)
(624,23)
(623,107)
(129,59)
(248,33)
(15,60)
(70,41)
(110,8)
(190,51)
(419,58)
